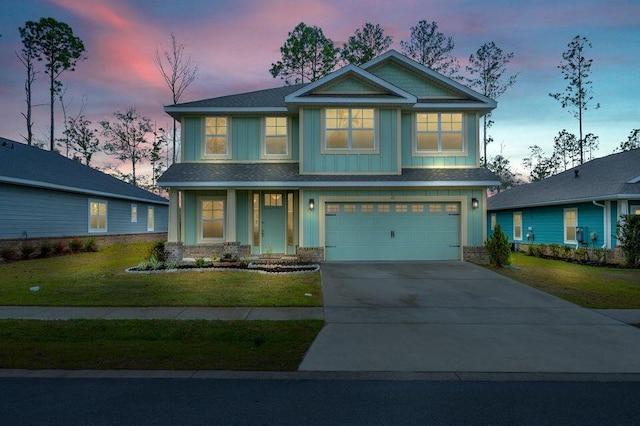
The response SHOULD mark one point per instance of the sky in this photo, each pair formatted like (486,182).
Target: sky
(233,43)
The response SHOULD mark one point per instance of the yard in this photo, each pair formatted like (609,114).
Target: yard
(588,286)
(99,279)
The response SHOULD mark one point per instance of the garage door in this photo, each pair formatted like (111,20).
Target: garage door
(392,231)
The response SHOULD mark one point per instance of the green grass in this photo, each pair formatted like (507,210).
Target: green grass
(588,286)
(155,344)
(99,279)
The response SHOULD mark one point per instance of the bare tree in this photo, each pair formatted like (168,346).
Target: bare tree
(27,56)
(82,139)
(178,71)
(577,96)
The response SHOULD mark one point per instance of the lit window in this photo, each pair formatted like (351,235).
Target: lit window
(402,208)
(417,208)
(217,136)
(494,220)
(273,200)
(570,225)
(438,132)
(451,208)
(350,129)
(517,225)
(212,219)
(134,213)
(435,208)
(276,141)
(333,208)
(349,208)
(383,208)
(150,219)
(97,216)
(366,208)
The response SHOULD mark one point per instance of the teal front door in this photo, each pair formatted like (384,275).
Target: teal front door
(273,223)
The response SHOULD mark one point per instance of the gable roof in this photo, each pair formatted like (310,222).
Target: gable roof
(30,166)
(287,175)
(607,178)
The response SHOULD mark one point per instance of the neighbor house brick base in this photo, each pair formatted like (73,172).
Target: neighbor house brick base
(102,240)
(477,255)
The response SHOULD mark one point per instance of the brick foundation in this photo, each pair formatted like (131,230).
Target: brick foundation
(477,255)
(214,250)
(102,240)
(310,254)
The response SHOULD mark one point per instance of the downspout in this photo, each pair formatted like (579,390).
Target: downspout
(604,223)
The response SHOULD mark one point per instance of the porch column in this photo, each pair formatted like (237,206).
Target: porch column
(173,233)
(231,215)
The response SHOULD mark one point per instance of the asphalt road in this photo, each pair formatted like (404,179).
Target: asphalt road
(29,401)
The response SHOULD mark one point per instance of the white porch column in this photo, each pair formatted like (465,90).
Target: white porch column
(173,234)
(231,215)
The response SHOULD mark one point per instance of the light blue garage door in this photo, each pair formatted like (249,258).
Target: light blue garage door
(392,231)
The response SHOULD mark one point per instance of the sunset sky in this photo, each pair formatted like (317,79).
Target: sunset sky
(235,42)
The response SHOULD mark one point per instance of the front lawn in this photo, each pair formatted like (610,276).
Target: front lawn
(155,344)
(99,279)
(588,286)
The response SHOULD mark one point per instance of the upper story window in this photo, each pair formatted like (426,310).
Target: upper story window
(350,129)
(438,132)
(216,137)
(97,216)
(276,138)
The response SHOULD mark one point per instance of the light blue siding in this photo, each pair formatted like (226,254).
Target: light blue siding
(242,216)
(192,138)
(34,212)
(245,135)
(190,213)
(385,161)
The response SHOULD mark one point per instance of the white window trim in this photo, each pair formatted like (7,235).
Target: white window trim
(514,226)
(151,214)
(350,149)
(134,213)
(201,239)
(415,152)
(564,225)
(106,216)
(263,148)
(205,154)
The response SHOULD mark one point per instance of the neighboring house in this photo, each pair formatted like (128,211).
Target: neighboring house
(46,195)
(375,162)
(579,207)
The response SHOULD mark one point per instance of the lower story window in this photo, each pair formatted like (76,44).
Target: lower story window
(570,225)
(97,216)
(150,219)
(212,219)
(517,226)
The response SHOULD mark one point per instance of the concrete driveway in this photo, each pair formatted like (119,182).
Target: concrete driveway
(457,316)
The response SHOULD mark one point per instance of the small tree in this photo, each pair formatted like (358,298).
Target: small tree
(628,233)
(431,48)
(126,138)
(501,166)
(577,96)
(498,247)
(367,43)
(82,139)
(56,45)
(633,142)
(307,55)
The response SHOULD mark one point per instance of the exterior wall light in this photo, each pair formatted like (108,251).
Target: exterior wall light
(474,203)
(312,204)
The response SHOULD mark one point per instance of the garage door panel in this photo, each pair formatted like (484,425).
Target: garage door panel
(392,231)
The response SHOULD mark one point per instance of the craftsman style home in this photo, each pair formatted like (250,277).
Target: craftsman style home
(376,162)
(579,207)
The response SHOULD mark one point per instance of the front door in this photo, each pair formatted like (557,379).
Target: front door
(273,223)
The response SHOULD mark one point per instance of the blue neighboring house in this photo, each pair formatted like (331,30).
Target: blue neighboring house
(579,207)
(371,162)
(46,195)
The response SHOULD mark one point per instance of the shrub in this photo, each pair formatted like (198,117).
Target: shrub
(7,253)
(582,254)
(555,250)
(75,245)
(542,250)
(200,262)
(600,255)
(567,252)
(46,248)
(628,233)
(91,245)
(155,263)
(173,264)
(158,251)
(531,250)
(26,250)
(498,247)
(228,256)
(60,247)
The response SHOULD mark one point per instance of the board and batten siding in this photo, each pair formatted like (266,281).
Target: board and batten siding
(35,212)
(385,161)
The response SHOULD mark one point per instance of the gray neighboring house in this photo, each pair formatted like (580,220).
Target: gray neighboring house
(46,195)
(579,207)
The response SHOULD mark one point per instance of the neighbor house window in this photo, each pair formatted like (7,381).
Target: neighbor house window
(97,216)
(570,225)
(349,129)
(634,208)
(276,141)
(217,137)
(494,220)
(150,218)
(134,213)
(211,219)
(517,226)
(438,132)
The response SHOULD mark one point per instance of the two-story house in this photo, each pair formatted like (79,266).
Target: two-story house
(376,162)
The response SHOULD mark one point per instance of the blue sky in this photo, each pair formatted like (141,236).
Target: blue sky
(234,44)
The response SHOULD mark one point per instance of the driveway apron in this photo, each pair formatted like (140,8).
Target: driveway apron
(457,316)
